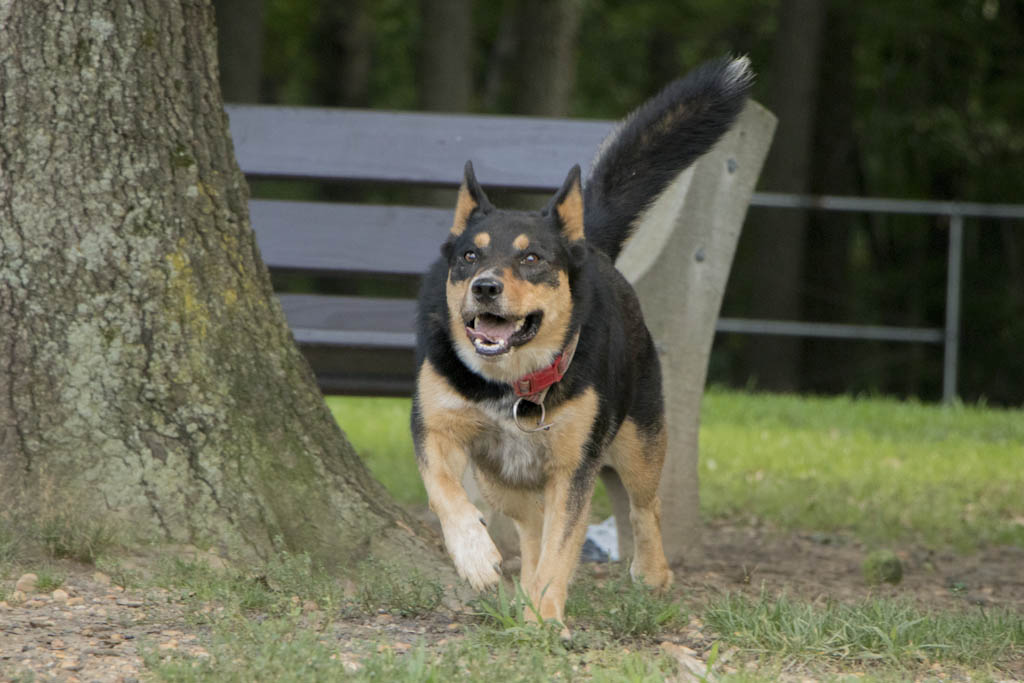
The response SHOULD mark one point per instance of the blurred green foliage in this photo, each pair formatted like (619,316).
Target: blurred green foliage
(937,107)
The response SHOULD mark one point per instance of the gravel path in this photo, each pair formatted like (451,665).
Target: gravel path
(88,630)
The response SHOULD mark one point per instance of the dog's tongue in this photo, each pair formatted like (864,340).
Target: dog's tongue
(492,328)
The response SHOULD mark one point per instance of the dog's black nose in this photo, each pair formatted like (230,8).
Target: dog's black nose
(486,289)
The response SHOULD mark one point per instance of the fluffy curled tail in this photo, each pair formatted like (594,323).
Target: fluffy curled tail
(651,146)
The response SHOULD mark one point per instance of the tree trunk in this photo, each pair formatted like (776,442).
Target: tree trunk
(830,365)
(445,66)
(777,240)
(546,59)
(343,48)
(240,49)
(148,374)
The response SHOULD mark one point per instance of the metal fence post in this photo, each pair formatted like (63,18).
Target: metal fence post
(951,346)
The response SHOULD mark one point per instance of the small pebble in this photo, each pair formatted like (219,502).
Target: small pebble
(27,583)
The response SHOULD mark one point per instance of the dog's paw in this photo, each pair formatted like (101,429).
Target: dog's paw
(475,556)
(657,576)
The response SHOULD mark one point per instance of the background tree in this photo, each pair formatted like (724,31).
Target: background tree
(545,70)
(148,374)
(775,239)
(240,48)
(445,65)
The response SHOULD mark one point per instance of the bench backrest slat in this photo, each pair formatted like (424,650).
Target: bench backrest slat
(350,314)
(404,147)
(355,239)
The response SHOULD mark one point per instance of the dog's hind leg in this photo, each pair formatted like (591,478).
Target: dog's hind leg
(638,457)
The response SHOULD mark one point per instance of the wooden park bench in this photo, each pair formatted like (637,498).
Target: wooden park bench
(678,261)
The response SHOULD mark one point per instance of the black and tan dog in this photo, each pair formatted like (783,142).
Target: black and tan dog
(534,361)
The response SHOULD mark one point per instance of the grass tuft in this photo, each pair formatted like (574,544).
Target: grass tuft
(11,544)
(274,588)
(878,629)
(624,608)
(275,649)
(76,538)
(48,581)
(119,574)
(280,650)
(505,622)
(395,588)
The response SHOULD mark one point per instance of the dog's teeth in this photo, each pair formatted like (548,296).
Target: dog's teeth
(476,321)
(519,325)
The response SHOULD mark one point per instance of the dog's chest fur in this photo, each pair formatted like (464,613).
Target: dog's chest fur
(507,453)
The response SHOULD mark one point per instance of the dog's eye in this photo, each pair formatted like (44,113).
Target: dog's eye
(470,256)
(531,259)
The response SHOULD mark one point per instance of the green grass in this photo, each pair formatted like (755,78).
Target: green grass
(275,588)
(881,469)
(396,589)
(10,544)
(290,580)
(505,623)
(622,608)
(83,538)
(281,650)
(47,581)
(378,428)
(880,629)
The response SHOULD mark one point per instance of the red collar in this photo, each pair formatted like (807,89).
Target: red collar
(534,386)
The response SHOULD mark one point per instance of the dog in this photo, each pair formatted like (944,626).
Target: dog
(534,362)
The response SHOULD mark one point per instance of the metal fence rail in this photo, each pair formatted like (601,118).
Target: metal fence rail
(948,335)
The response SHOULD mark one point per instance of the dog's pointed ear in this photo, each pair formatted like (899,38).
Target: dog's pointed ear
(471,198)
(567,205)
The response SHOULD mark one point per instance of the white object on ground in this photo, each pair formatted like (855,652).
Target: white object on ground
(606,537)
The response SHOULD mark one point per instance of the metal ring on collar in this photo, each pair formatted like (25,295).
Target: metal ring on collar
(541,426)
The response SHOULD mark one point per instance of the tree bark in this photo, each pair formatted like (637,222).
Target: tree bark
(147,373)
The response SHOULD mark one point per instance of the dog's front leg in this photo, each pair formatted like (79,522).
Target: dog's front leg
(571,474)
(442,462)
(566,512)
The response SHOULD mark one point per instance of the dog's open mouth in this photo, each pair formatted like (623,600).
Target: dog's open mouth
(493,335)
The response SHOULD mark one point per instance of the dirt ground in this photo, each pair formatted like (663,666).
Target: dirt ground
(94,630)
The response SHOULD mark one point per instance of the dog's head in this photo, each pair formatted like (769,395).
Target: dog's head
(509,279)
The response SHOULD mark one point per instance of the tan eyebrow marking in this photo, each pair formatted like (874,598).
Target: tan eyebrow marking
(482,239)
(521,242)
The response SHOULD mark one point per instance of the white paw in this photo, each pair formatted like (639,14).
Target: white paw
(475,556)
